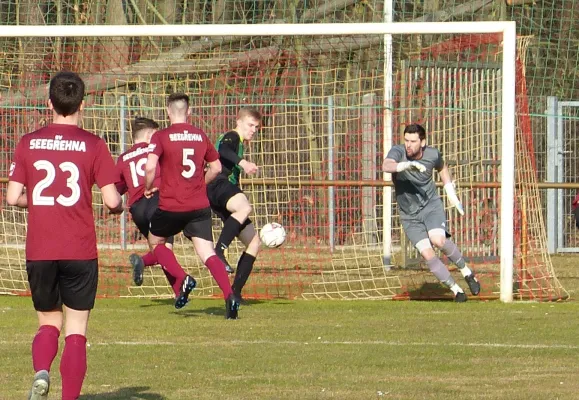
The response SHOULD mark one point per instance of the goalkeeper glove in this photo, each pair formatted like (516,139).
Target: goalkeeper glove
(404,165)
(452,197)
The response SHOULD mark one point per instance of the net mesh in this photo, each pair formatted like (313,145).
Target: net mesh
(322,98)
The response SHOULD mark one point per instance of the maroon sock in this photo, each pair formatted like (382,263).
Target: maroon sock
(217,269)
(73,366)
(149,259)
(167,259)
(44,347)
(172,281)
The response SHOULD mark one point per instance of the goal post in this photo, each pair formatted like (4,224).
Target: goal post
(507,77)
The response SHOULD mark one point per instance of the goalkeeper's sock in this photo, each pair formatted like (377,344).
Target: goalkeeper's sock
(231,229)
(73,366)
(44,347)
(244,268)
(453,253)
(217,269)
(439,270)
(455,288)
(149,259)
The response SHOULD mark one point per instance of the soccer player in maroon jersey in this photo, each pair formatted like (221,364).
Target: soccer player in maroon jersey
(58,165)
(182,150)
(131,180)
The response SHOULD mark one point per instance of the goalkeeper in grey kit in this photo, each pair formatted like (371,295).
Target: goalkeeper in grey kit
(421,209)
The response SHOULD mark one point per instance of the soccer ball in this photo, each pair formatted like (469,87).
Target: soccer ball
(272,235)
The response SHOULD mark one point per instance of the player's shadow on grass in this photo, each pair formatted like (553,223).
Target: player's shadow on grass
(192,310)
(171,303)
(135,392)
(431,291)
(158,302)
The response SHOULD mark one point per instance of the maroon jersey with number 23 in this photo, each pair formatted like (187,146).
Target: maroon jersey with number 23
(59,164)
(183,150)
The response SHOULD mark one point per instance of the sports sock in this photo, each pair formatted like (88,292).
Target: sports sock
(175,285)
(244,268)
(231,229)
(44,347)
(454,287)
(454,255)
(217,269)
(438,269)
(73,366)
(167,259)
(149,259)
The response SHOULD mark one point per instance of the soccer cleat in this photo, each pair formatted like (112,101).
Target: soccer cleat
(40,386)
(231,306)
(228,267)
(138,268)
(473,284)
(187,287)
(460,297)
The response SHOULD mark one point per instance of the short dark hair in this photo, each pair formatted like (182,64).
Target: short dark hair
(249,111)
(416,128)
(141,123)
(177,97)
(66,92)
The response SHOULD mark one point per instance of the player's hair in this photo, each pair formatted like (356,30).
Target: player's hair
(141,123)
(176,97)
(249,112)
(416,128)
(66,91)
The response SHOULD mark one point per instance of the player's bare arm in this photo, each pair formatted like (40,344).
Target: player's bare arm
(112,199)
(15,195)
(450,189)
(389,165)
(150,168)
(213,169)
(248,167)
(392,166)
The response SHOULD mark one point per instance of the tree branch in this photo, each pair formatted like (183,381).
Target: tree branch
(175,62)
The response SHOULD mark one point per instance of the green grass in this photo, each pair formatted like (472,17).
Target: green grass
(144,349)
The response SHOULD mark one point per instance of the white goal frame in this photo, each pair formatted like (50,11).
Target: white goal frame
(506,28)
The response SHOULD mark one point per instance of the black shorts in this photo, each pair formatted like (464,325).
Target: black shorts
(195,223)
(69,282)
(142,211)
(219,193)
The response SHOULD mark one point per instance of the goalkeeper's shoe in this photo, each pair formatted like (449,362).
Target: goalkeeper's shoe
(473,284)
(460,297)
(187,287)
(221,256)
(138,268)
(232,306)
(40,386)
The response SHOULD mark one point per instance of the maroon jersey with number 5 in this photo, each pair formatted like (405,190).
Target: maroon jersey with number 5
(59,164)
(183,150)
(131,172)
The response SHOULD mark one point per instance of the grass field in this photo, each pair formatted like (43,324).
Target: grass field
(310,349)
(144,349)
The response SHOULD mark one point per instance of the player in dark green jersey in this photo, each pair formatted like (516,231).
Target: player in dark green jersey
(228,200)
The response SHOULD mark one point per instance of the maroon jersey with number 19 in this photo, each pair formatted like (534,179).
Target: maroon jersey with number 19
(59,165)
(183,150)
(131,172)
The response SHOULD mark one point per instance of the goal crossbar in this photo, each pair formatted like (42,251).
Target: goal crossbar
(506,28)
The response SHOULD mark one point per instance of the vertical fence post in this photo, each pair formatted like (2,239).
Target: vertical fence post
(123,137)
(552,147)
(331,205)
